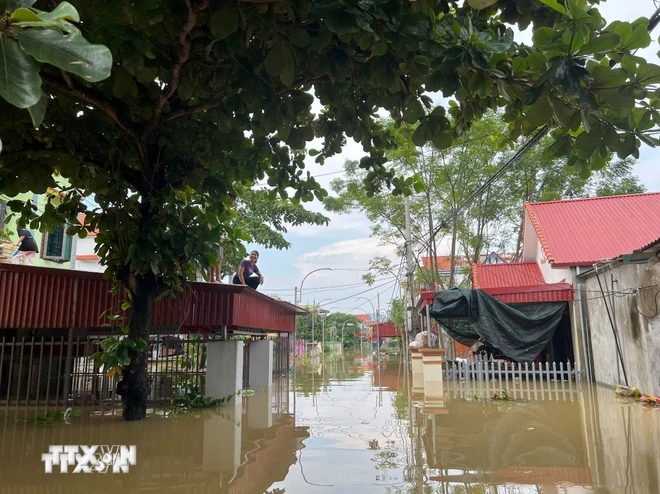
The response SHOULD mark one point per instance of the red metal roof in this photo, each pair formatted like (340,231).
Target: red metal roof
(582,232)
(38,298)
(385,330)
(550,292)
(501,275)
(525,294)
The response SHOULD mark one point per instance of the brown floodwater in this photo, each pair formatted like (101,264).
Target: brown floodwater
(349,426)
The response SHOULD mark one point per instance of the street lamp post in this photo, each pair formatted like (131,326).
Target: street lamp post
(303,280)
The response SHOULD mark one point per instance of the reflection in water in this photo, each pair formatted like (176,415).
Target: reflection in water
(347,424)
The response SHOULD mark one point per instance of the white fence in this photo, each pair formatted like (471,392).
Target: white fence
(480,377)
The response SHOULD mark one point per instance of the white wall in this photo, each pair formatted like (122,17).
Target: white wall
(639,335)
(86,246)
(533,252)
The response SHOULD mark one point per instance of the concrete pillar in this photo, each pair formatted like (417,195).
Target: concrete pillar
(260,409)
(433,381)
(224,370)
(261,364)
(222,440)
(417,371)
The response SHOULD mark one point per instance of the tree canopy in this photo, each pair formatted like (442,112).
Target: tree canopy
(206,97)
(446,178)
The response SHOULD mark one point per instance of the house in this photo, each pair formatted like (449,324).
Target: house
(86,257)
(56,249)
(622,316)
(565,244)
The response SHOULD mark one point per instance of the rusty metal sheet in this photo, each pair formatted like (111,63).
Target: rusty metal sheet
(41,298)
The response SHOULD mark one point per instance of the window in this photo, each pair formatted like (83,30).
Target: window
(56,245)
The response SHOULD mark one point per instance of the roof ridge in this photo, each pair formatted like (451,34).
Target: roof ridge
(595,198)
(508,263)
(539,232)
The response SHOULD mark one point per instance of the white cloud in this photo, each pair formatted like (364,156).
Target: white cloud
(357,249)
(338,223)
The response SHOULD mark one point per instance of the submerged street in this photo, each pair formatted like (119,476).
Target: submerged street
(346,425)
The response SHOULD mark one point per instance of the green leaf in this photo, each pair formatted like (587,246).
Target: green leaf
(274,62)
(600,44)
(442,140)
(419,136)
(20,84)
(539,113)
(563,113)
(413,112)
(38,111)
(648,73)
(588,141)
(24,15)
(639,38)
(555,5)
(543,37)
(69,52)
(300,39)
(288,67)
(605,77)
(123,85)
(481,4)
(224,23)
(64,11)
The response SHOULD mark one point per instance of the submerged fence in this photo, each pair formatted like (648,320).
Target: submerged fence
(481,377)
(60,371)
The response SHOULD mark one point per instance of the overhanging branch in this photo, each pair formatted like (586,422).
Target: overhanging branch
(182,56)
(94,98)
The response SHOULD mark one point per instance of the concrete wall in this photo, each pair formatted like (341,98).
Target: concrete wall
(623,443)
(639,335)
(85,249)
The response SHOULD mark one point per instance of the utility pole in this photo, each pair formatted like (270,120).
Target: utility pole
(410,274)
(313,317)
(295,296)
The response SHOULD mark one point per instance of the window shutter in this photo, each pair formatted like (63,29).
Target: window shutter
(67,248)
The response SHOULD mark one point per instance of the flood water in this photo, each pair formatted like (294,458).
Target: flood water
(348,425)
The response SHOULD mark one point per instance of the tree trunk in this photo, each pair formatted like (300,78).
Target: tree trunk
(452,258)
(134,386)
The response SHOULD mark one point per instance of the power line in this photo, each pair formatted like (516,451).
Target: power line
(653,22)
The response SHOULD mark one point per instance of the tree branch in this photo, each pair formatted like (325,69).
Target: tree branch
(191,110)
(183,53)
(95,99)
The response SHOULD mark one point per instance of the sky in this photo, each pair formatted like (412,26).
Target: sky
(345,244)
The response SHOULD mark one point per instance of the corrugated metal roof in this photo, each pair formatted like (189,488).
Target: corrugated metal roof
(655,243)
(502,275)
(582,232)
(550,292)
(33,297)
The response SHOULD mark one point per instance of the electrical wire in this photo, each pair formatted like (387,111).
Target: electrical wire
(655,300)
(654,20)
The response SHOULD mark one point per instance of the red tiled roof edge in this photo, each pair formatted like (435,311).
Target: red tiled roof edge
(539,232)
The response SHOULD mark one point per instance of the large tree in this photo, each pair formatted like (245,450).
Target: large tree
(207,96)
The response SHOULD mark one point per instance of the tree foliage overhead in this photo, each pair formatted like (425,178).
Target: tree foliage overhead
(445,179)
(206,97)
